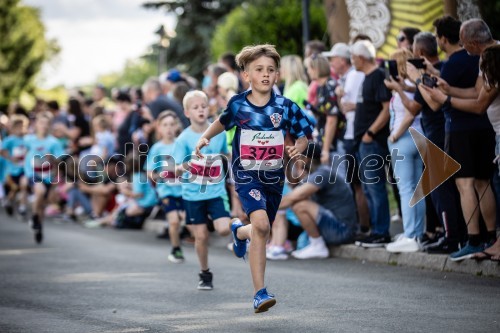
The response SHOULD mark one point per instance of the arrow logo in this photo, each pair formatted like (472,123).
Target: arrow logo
(438,166)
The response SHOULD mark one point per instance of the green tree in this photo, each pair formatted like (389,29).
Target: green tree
(23,49)
(277,22)
(197,20)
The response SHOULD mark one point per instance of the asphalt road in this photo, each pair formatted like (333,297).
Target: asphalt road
(84,280)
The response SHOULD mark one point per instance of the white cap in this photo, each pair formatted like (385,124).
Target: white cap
(364,48)
(338,50)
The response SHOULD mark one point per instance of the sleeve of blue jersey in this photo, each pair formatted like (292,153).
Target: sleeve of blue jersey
(227,117)
(300,124)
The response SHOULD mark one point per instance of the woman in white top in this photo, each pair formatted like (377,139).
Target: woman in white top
(407,171)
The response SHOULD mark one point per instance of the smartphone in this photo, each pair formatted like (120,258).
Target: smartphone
(417,62)
(391,69)
(429,81)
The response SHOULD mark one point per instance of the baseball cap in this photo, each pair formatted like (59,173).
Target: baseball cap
(364,48)
(338,50)
(174,76)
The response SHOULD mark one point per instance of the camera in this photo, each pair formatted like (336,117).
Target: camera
(418,63)
(429,81)
(391,69)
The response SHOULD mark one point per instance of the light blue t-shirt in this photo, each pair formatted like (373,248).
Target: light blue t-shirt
(161,161)
(290,215)
(16,149)
(184,148)
(40,146)
(142,185)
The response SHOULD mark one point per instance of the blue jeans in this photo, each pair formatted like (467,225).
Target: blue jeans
(75,196)
(407,173)
(373,180)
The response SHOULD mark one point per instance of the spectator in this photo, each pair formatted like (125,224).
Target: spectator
(349,84)
(313,47)
(59,116)
(157,102)
(406,36)
(371,131)
(329,120)
(129,125)
(293,73)
(324,206)
(407,171)
(104,141)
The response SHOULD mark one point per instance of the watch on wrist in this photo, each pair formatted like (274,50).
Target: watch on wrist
(447,103)
(418,81)
(370,134)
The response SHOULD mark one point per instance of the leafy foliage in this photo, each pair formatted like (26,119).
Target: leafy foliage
(277,22)
(490,10)
(23,49)
(197,20)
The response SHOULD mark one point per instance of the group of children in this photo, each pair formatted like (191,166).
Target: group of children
(185,171)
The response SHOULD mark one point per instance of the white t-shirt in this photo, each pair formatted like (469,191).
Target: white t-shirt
(352,84)
(398,111)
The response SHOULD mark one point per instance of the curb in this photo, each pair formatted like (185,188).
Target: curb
(437,262)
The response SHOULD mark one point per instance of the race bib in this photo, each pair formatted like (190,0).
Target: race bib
(18,154)
(169,177)
(206,171)
(261,150)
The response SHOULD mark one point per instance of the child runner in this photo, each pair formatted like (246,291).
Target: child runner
(14,151)
(262,119)
(203,186)
(39,166)
(161,170)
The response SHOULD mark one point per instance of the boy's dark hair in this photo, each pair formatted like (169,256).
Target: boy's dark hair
(229,59)
(250,53)
(410,33)
(53,105)
(448,27)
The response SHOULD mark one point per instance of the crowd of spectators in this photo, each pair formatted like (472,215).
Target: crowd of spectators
(96,148)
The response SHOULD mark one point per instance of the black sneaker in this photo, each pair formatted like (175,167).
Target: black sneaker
(176,256)
(374,240)
(9,209)
(36,225)
(205,281)
(443,246)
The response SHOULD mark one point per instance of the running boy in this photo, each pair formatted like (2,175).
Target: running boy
(39,166)
(262,120)
(203,186)
(14,151)
(160,167)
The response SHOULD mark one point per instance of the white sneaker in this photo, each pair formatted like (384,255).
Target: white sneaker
(276,253)
(403,244)
(319,251)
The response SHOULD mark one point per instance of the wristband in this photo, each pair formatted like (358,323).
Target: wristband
(447,103)
(370,134)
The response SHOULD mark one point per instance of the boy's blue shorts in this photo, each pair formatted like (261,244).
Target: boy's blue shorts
(197,212)
(170,203)
(255,196)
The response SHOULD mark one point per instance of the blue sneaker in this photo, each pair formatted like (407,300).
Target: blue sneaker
(262,301)
(239,246)
(466,252)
